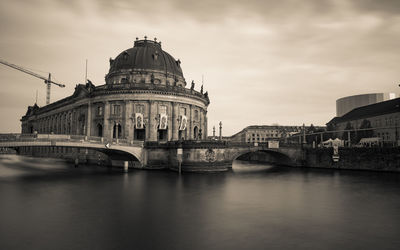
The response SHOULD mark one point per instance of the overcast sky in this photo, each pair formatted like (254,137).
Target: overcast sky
(264,62)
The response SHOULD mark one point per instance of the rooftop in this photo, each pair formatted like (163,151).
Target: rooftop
(380,108)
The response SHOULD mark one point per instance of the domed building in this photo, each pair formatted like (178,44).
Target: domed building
(144,99)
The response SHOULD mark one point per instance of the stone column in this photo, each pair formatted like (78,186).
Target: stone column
(205,131)
(190,123)
(201,125)
(128,130)
(175,124)
(170,111)
(55,124)
(152,121)
(89,118)
(106,128)
(61,123)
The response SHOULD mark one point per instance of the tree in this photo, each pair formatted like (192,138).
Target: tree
(327,135)
(353,138)
(365,133)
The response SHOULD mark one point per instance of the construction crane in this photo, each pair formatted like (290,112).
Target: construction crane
(47,80)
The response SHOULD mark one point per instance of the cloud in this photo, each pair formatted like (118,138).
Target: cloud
(281,61)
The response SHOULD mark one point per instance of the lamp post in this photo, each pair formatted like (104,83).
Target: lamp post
(220,130)
(213,132)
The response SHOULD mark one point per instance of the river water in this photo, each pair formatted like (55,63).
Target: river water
(49,204)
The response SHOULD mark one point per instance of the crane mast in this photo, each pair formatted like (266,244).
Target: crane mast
(47,80)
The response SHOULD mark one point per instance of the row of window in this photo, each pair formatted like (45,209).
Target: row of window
(117,109)
(384,136)
(389,121)
(262,139)
(266,135)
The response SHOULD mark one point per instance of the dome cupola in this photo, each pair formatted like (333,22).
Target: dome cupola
(145,63)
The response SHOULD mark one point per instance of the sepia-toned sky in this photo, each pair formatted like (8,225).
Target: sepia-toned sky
(264,62)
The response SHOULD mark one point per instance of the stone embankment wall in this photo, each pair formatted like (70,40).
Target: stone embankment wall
(378,159)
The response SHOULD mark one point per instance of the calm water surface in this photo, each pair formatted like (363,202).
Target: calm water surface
(48,204)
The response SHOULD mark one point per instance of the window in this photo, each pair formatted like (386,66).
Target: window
(196,115)
(99,110)
(116,109)
(163,109)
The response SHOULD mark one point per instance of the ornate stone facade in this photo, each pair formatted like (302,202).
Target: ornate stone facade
(145,98)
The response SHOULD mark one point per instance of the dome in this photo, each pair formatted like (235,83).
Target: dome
(146,55)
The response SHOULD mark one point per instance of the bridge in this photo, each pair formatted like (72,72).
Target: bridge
(189,155)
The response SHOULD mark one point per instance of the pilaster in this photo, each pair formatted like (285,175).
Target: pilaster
(128,123)
(106,126)
(175,124)
(89,118)
(205,133)
(170,120)
(152,121)
(190,123)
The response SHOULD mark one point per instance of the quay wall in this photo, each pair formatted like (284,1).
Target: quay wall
(377,159)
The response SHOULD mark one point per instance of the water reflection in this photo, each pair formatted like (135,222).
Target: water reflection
(245,167)
(49,204)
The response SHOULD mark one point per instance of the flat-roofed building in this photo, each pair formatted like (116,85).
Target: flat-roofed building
(383,118)
(348,103)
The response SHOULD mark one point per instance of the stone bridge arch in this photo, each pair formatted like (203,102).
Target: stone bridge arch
(261,154)
(114,152)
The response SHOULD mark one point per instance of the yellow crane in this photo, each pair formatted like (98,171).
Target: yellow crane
(47,80)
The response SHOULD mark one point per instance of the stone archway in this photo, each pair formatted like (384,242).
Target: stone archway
(262,155)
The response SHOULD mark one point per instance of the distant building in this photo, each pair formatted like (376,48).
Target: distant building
(348,103)
(265,133)
(382,117)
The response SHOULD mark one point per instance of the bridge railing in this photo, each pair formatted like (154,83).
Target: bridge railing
(209,143)
(66,138)
(9,137)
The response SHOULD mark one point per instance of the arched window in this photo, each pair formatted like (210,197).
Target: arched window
(124,80)
(99,130)
(117,131)
(195,133)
